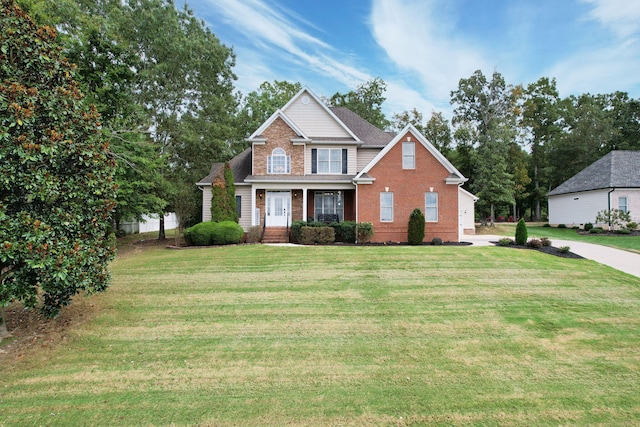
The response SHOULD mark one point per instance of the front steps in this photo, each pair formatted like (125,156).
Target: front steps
(275,235)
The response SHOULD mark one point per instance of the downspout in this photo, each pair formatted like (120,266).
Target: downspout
(609,203)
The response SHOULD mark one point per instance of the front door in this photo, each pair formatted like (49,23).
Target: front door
(278,208)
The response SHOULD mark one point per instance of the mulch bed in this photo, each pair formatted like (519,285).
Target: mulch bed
(551,250)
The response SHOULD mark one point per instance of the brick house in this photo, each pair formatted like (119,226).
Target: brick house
(313,162)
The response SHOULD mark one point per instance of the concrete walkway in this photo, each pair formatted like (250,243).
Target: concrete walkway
(627,262)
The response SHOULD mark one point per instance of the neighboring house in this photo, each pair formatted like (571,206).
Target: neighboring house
(317,163)
(613,182)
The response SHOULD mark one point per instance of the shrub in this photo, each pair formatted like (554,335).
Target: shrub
(623,231)
(521,233)
(595,230)
(415,232)
(436,241)
(632,225)
(546,225)
(254,234)
(317,235)
(588,226)
(564,249)
(545,241)
(562,226)
(505,241)
(226,233)
(364,232)
(199,234)
(296,230)
(534,243)
(345,231)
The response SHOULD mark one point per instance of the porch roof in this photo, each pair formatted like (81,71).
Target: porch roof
(303,179)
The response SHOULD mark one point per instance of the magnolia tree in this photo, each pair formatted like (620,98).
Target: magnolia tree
(56,175)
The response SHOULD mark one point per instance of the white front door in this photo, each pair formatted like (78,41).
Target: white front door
(278,208)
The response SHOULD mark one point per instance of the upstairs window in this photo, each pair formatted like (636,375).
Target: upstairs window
(408,155)
(329,160)
(278,162)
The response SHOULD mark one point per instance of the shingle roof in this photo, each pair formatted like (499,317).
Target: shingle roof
(368,133)
(240,166)
(617,169)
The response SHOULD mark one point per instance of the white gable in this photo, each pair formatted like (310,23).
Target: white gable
(314,119)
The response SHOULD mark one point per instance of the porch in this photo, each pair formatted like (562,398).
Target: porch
(276,209)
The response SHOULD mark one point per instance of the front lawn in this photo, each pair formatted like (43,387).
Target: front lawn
(262,335)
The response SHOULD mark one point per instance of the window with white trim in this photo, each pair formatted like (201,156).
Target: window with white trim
(408,155)
(623,204)
(278,162)
(431,207)
(329,161)
(386,206)
(328,204)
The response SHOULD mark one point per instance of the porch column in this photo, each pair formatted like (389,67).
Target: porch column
(304,203)
(253,206)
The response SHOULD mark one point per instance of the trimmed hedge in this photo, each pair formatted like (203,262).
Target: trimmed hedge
(317,235)
(214,233)
(227,233)
(199,234)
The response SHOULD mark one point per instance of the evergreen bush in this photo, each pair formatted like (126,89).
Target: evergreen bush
(415,234)
(317,235)
(562,226)
(296,230)
(588,226)
(505,241)
(199,234)
(364,231)
(521,233)
(345,231)
(226,233)
(632,225)
(436,241)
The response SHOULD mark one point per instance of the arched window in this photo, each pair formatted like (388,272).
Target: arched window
(278,162)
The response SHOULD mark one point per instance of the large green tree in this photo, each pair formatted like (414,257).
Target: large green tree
(186,86)
(366,101)
(259,105)
(541,119)
(56,176)
(488,106)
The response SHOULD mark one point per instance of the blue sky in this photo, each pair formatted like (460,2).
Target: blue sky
(422,48)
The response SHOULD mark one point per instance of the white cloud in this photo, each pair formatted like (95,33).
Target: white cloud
(622,17)
(602,70)
(418,37)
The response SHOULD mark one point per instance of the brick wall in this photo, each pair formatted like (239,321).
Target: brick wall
(279,134)
(409,188)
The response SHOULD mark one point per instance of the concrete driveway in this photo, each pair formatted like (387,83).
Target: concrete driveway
(627,262)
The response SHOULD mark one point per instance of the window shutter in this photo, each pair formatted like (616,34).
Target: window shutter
(269,164)
(344,161)
(314,160)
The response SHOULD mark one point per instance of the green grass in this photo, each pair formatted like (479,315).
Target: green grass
(625,242)
(259,335)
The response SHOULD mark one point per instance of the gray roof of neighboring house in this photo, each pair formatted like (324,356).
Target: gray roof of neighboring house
(617,169)
(368,133)
(240,166)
